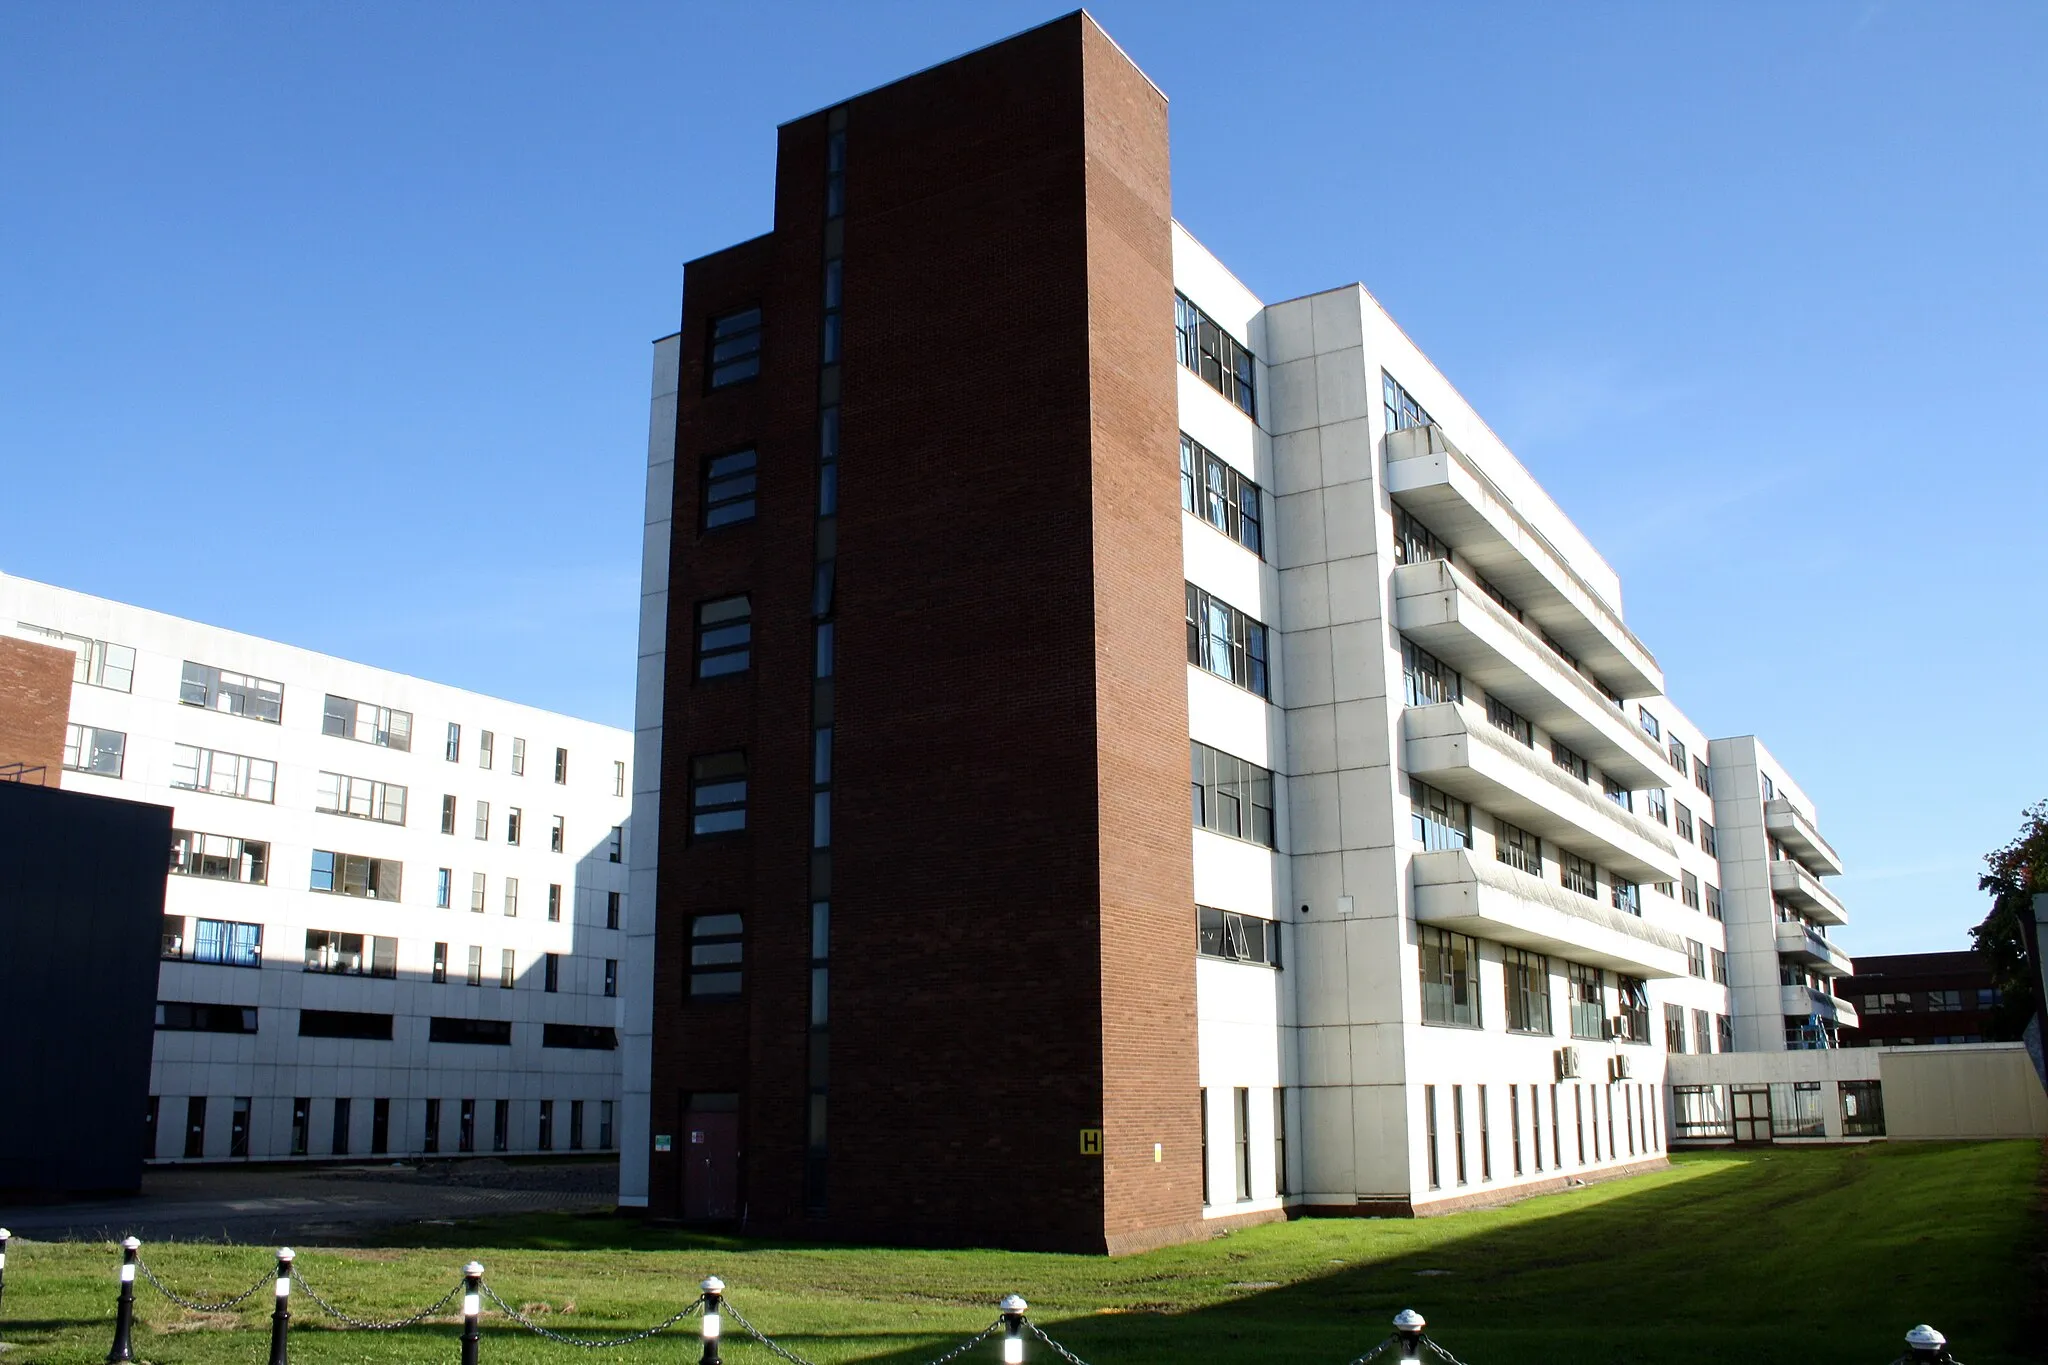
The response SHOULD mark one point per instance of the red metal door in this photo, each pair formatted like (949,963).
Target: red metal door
(711,1165)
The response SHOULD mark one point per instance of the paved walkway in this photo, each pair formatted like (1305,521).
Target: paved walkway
(287,1204)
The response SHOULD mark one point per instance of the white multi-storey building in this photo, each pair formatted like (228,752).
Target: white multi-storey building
(393,910)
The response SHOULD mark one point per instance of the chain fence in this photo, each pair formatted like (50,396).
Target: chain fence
(587,1343)
(370,1324)
(193,1304)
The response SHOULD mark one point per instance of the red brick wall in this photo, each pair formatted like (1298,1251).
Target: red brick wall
(35,706)
(1011,855)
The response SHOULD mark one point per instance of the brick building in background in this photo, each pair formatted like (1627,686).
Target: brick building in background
(35,707)
(1037,862)
(1908,999)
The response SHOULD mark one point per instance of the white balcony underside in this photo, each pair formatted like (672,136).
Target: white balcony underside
(1799,1001)
(1802,890)
(1442,610)
(1799,944)
(1792,829)
(1441,484)
(1472,760)
(1466,894)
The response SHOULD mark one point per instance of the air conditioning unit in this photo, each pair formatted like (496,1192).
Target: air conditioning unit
(1607,1033)
(1618,1027)
(1621,1071)
(1567,1063)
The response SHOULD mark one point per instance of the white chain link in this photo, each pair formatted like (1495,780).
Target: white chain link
(590,1344)
(175,1297)
(364,1323)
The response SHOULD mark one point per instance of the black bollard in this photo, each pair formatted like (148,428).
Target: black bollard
(124,1311)
(4,1235)
(1923,1343)
(472,1307)
(714,1294)
(281,1315)
(1013,1307)
(1408,1325)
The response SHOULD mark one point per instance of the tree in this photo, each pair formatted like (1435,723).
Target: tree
(2006,937)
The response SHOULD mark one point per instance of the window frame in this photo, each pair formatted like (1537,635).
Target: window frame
(733,328)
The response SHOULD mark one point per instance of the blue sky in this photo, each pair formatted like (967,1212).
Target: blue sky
(329,322)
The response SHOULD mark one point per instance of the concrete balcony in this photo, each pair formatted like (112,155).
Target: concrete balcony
(1802,945)
(1804,1000)
(1468,893)
(1440,483)
(1790,827)
(1444,611)
(1448,747)
(1803,890)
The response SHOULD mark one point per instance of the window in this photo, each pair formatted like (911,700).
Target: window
(562,767)
(251,779)
(483,820)
(220,857)
(1213,489)
(447,814)
(551,972)
(1241,1140)
(1437,821)
(1700,776)
(354,874)
(341,954)
(1428,679)
(375,1028)
(1770,792)
(1795,1110)
(1414,542)
(1700,1111)
(1203,1103)
(1708,842)
(1458,1129)
(583,1037)
(1634,995)
(1528,991)
(1236,938)
(728,489)
(1485,1138)
(554,902)
(1229,795)
(1615,792)
(615,851)
(482,1032)
(1429,1128)
(238,1126)
(1500,599)
(224,942)
(1696,958)
(1713,901)
(1515,1126)
(1682,820)
(1568,760)
(1517,847)
(518,757)
(611,977)
(443,887)
(362,798)
(558,835)
(177,1017)
(1214,354)
(1702,1031)
(1450,991)
(513,818)
(99,663)
(440,964)
(89,750)
(604,1125)
(611,909)
(718,794)
(1627,897)
(476,893)
(1649,723)
(618,786)
(1944,1002)
(483,749)
(1224,641)
(507,969)
(1589,1000)
(1862,1108)
(735,348)
(1689,890)
(1653,802)
(476,965)
(511,897)
(302,1113)
(1674,1028)
(546,1138)
(453,752)
(1510,721)
(1579,875)
(725,635)
(1888,1002)
(1675,750)
(367,724)
(234,694)
(821,662)
(716,952)
(1279,1140)
(1402,412)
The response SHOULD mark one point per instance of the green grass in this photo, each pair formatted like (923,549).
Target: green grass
(1808,1256)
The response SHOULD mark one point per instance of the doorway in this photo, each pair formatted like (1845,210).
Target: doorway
(1752,1114)
(711,1156)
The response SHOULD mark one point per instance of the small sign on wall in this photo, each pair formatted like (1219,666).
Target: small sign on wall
(661,1142)
(1091,1142)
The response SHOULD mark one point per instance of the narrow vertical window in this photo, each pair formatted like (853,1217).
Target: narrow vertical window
(454,749)
(735,348)
(1429,1130)
(729,489)
(725,635)
(1279,1140)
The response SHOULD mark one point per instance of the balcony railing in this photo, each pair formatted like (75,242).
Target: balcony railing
(1471,894)
(1790,826)
(1802,944)
(1804,890)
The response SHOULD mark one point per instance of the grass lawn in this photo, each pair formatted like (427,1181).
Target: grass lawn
(1808,1256)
